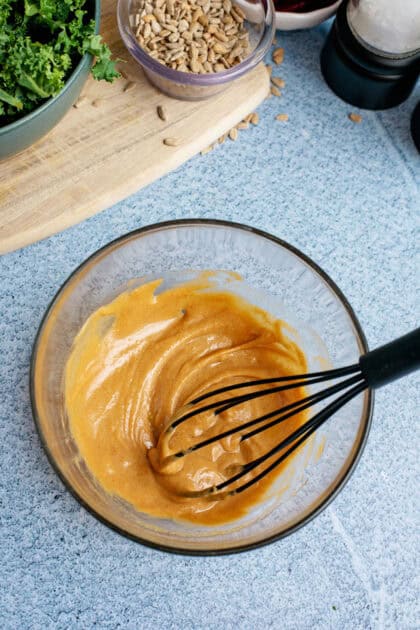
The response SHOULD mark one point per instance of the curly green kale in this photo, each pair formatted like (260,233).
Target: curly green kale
(41,42)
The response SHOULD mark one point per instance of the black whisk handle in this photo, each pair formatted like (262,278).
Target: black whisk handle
(392,361)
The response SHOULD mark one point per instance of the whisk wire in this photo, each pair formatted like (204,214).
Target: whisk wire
(303,379)
(374,369)
(327,375)
(306,403)
(285,413)
(303,433)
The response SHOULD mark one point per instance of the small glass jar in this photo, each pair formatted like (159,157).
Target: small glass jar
(190,86)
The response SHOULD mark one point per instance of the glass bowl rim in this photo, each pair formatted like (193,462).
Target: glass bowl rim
(191,78)
(366,418)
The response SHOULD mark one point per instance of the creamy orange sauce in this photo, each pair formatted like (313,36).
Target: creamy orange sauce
(140,359)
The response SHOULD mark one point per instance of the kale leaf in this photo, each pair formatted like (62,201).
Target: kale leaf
(41,42)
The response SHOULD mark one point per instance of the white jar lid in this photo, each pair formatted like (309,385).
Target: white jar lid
(388,26)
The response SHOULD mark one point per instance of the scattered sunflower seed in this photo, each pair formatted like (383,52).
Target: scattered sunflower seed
(278,82)
(161,112)
(171,142)
(97,102)
(356,118)
(129,86)
(255,119)
(275,91)
(80,102)
(233,134)
(282,117)
(278,56)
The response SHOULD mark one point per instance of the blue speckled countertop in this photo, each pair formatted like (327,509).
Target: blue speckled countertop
(348,195)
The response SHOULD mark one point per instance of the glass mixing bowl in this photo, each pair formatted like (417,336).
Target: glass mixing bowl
(188,85)
(277,277)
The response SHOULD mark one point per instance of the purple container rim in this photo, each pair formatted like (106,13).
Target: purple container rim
(190,78)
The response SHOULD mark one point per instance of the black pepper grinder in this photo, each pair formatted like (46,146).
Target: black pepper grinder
(371,57)
(415,126)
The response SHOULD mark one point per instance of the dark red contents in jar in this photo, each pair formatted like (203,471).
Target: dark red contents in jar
(301,6)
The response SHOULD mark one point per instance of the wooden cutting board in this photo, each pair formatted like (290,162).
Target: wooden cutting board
(110,146)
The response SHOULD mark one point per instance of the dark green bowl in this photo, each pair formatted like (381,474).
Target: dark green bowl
(21,134)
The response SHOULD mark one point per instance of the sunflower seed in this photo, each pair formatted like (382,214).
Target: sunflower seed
(219,48)
(161,112)
(279,82)
(195,66)
(220,35)
(129,86)
(171,142)
(233,134)
(236,15)
(174,46)
(278,56)
(156,27)
(80,102)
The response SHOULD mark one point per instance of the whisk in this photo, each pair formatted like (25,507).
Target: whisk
(374,369)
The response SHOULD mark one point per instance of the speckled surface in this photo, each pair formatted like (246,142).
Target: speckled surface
(347,195)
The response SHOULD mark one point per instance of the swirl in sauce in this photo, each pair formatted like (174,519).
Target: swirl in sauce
(141,358)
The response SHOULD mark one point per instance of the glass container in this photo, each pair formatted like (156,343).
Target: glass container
(277,277)
(191,86)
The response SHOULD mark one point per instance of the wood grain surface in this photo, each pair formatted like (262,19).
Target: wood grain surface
(110,146)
